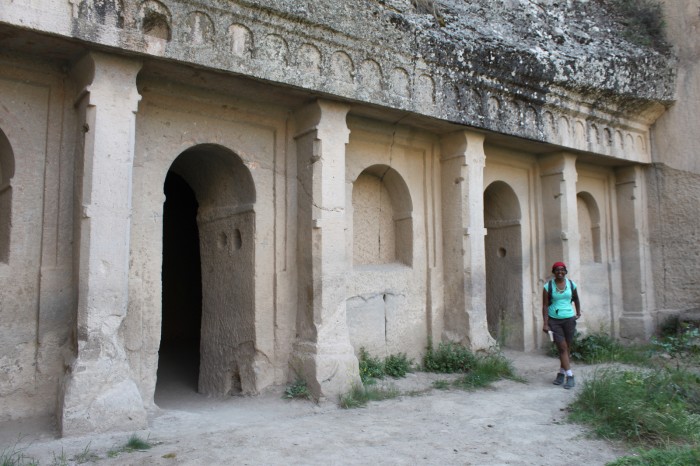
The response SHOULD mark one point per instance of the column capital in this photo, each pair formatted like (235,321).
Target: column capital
(323,115)
(557,163)
(105,78)
(627,175)
(466,144)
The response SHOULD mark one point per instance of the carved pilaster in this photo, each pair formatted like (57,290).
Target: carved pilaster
(98,393)
(323,354)
(462,163)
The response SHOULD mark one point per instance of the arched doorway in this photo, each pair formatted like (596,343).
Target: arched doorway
(208,271)
(504,265)
(178,363)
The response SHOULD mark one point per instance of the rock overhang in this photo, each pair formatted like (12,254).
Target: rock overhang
(558,72)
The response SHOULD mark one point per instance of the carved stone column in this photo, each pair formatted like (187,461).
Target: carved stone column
(463,162)
(322,354)
(637,286)
(98,392)
(559,210)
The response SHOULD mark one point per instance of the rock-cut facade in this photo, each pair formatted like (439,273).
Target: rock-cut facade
(253,191)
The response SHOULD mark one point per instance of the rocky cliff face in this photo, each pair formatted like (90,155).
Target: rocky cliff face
(556,71)
(581,45)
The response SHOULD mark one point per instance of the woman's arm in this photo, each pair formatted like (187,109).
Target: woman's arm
(577,303)
(545,311)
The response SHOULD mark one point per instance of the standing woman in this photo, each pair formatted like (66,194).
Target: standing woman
(559,316)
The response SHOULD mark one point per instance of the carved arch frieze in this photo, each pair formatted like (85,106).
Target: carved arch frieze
(369,77)
(155,20)
(198,28)
(241,41)
(107,12)
(310,59)
(342,67)
(399,82)
(274,49)
(425,90)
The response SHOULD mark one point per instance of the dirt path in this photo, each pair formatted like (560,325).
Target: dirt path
(512,423)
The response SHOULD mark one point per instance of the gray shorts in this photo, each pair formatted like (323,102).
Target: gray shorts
(563,329)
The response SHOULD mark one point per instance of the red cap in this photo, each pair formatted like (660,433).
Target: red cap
(558,264)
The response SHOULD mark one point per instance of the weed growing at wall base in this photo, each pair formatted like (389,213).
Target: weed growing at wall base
(397,365)
(480,371)
(448,358)
(298,390)
(394,365)
(370,367)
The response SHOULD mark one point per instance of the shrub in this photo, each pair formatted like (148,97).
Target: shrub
(397,365)
(448,358)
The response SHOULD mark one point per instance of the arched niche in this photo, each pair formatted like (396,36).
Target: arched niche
(382,218)
(589,228)
(7,171)
(215,187)
(504,265)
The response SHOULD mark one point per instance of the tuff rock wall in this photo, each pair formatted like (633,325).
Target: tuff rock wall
(476,118)
(675,176)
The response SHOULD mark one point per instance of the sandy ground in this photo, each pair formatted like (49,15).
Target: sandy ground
(511,423)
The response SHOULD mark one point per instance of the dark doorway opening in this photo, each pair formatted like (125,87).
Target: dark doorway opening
(178,359)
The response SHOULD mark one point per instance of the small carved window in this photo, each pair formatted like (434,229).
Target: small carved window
(156,25)
(382,218)
(589,228)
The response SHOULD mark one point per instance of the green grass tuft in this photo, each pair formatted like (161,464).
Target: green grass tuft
(442,384)
(85,456)
(488,368)
(645,407)
(670,456)
(359,396)
(136,443)
(16,456)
